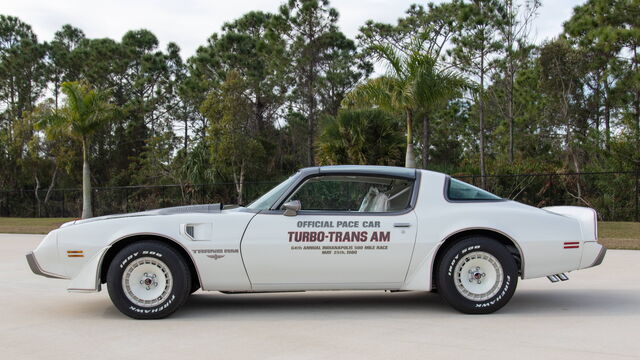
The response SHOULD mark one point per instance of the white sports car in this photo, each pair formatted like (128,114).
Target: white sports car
(326,228)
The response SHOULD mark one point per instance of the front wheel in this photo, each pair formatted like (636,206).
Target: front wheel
(477,275)
(148,280)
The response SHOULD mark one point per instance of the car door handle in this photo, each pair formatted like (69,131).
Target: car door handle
(401,225)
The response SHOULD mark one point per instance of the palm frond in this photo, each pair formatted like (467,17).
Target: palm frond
(85,111)
(393,58)
(377,92)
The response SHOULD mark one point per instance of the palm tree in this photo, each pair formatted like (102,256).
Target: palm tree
(85,111)
(365,137)
(413,85)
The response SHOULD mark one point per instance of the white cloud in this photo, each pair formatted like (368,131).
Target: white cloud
(190,22)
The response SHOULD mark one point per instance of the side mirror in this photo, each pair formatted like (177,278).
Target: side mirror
(291,208)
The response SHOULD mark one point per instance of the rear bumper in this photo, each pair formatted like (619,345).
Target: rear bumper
(592,254)
(37,269)
(600,257)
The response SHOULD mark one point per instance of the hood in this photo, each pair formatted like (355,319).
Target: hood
(207,208)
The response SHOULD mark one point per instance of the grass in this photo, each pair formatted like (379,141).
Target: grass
(619,235)
(613,234)
(12,225)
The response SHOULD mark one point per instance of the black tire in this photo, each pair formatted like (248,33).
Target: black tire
(170,266)
(451,276)
(194,287)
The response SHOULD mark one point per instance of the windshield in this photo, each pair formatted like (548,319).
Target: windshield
(265,201)
(459,190)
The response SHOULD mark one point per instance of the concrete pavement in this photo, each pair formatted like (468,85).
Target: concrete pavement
(594,315)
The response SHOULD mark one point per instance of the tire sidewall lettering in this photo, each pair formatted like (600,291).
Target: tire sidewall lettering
(164,306)
(148,249)
(505,287)
(137,254)
(458,257)
(447,281)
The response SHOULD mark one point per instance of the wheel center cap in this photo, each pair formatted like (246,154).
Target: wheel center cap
(476,275)
(148,281)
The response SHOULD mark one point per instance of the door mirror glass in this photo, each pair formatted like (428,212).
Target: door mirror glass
(291,208)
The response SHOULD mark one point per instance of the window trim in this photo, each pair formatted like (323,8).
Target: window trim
(275,209)
(445,192)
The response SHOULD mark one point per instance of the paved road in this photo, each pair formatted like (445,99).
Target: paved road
(594,315)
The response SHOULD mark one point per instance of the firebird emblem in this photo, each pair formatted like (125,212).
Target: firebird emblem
(215,256)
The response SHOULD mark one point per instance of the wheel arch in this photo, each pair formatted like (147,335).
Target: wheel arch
(124,241)
(453,238)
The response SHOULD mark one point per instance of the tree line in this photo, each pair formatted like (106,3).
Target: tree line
(459,87)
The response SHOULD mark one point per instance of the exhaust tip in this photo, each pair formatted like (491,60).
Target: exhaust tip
(558,277)
(563,277)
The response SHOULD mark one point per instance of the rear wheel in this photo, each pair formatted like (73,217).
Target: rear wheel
(148,280)
(194,287)
(477,275)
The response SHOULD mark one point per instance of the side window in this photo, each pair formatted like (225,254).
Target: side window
(354,194)
(459,190)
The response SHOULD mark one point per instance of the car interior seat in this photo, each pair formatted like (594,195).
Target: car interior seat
(375,201)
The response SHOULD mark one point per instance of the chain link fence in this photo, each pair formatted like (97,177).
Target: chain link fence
(122,199)
(615,195)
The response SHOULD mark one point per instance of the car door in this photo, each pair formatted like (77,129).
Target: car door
(352,232)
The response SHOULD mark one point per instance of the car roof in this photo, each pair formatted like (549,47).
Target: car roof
(395,171)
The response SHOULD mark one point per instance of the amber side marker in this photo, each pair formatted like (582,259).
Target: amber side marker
(75,253)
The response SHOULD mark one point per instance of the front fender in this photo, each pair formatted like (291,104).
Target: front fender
(88,278)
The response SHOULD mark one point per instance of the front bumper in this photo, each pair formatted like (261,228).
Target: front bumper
(37,269)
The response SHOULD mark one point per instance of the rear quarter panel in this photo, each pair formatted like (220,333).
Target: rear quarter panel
(538,234)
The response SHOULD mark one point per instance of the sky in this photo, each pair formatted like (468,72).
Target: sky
(190,22)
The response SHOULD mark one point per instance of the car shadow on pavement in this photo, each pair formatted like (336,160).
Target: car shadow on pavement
(319,305)
(331,305)
(312,304)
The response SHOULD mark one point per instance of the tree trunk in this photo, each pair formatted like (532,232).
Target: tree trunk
(483,180)
(597,109)
(310,160)
(86,182)
(186,133)
(576,165)
(37,196)
(607,114)
(56,91)
(311,119)
(410,158)
(239,183)
(50,189)
(426,140)
(637,99)
(510,72)
(259,115)
(481,100)
(510,116)
(637,115)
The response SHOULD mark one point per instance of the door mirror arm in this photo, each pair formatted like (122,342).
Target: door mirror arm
(291,208)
